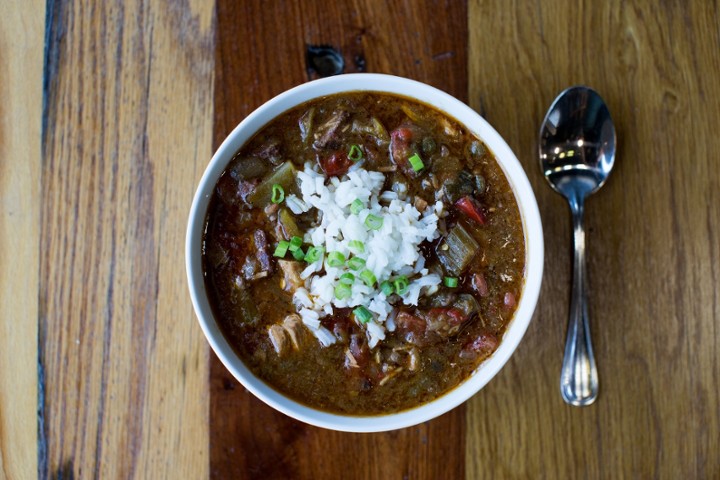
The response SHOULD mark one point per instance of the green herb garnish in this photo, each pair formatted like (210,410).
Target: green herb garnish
(356,263)
(362,314)
(295,243)
(357,245)
(336,259)
(368,277)
(401,285)
(347,278)
(373,222)
(281,249)
(355,154)
(416,162)
(342,291)
(356,206)
(314,254)
(278,193)
(298,254)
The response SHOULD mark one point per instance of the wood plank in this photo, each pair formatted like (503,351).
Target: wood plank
(21,44)
(653,241)
(127,134)
(257,59)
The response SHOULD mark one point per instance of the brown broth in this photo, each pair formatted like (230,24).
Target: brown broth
(315,375)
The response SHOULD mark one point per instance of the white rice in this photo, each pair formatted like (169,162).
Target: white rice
(390,251)
(296,205)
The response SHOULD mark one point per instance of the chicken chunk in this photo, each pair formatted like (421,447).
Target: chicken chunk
(291,270)
(295,329)
(278,338)
(290,333)
(326,135)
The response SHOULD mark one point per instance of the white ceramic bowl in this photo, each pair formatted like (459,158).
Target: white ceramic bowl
(528,211)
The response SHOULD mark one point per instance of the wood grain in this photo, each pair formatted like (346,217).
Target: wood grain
(653,241)
(21,58)
(256,60)
(127,134)
(96,179)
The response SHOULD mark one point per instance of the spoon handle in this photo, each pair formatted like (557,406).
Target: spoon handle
(579,377)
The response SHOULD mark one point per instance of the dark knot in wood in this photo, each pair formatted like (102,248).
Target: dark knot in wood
(323,61)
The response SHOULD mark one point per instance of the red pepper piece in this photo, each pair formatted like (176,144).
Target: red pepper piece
(402,134)
(471,208)
(336,164)
(400,150)
(484,345)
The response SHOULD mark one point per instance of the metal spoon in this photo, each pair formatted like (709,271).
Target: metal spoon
(577,152)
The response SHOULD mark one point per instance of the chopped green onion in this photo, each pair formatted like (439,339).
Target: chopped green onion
(386,288)
(314,254)
(368,277)
(357,245)
(355,154)
(362,314)
(336,259)
(295,243)
(356,263)
(278,193)
(281,249)
(401,285)
(373,222)
(342,291)
(416,162)
(356,206)
(347,278)
(451,282)
(298,254)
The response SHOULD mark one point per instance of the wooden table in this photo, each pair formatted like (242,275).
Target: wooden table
(110,112)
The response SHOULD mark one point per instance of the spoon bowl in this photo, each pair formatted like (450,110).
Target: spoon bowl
(577,142)
(577,153)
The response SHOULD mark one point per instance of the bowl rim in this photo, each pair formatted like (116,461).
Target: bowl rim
(532,229)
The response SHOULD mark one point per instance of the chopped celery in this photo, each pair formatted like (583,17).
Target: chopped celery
(379,130)
(285,176)
(289,225)
(306,124)
(373,127)
(457,249)
(412,114)
(243,305)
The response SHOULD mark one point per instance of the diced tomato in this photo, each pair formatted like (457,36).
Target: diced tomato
(509,300)
(410,322)
(340,326)
(454,316)
(400,150)
(410,327)
(479,284)
(402,134)
(457,315)
(484,344)
(471,208)
(359,349)
(336,164)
